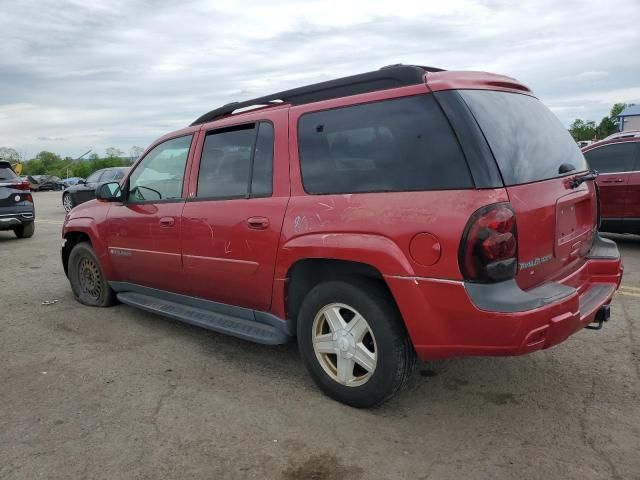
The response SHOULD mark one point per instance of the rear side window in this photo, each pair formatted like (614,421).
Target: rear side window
(528,141)
(93,178)
(231,157)
(109,175)
(618,157)
(6,173)
(403,144)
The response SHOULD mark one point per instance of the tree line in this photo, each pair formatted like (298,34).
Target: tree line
(49,163)
(588,130)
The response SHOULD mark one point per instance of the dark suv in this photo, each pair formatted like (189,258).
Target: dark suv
(16,203)
(401,212)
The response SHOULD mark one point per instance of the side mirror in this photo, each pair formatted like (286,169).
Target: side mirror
(82,181)
(109,192)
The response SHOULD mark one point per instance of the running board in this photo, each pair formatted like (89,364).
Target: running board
(251,330)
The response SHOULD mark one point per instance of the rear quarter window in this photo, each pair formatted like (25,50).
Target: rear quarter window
(528,141)
(402,144)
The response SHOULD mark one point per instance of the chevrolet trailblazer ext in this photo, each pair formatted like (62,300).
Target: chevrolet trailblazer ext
(406,211)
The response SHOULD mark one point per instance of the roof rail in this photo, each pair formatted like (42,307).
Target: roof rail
(623,134)
(391,76)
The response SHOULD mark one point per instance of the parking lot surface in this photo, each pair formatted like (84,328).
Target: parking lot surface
(119,393)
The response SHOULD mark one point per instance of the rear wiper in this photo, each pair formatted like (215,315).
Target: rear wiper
(578,180)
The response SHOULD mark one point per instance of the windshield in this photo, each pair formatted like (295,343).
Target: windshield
(528,141)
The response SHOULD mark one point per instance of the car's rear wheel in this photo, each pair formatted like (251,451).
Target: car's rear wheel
(353,342)
(67,202)
(88,283)
(25,231)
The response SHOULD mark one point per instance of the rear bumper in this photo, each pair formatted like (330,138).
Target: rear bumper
(448,318)
(17,217)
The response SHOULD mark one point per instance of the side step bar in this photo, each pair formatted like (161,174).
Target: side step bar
(246,329)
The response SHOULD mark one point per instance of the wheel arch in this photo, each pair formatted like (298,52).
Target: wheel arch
(84,229)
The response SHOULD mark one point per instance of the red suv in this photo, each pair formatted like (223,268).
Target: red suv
(406,211)
(617,160)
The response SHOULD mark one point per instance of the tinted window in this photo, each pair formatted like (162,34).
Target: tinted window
(93,178)
(108,175)
(160,174)
(226,163)
(119,174)
(395,145)
(612,158)
(527,140)
(6,173)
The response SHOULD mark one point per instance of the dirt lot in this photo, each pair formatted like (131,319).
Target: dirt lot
(119,393)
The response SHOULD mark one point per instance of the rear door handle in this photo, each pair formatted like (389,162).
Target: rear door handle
(613,180)
(258,223)
(167,222)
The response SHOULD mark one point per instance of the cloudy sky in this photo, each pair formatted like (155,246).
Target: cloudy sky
(83,74)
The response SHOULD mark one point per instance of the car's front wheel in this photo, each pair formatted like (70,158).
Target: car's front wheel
(67,202)
(88,283)
(353,342)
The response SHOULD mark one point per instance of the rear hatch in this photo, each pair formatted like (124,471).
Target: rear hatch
(13,190)
(537,157)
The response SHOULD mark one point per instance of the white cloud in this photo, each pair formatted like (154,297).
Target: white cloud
(123,72)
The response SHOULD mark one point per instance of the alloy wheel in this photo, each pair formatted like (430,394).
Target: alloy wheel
(344,344)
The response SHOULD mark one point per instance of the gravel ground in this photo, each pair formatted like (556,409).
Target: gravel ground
(119,393)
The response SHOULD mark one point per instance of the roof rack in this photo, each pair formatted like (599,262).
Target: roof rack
(391,76)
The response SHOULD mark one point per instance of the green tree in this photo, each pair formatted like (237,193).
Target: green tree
(113,152)
(135,152)
(582,130)
(607,125)
(9,154)
(617,109)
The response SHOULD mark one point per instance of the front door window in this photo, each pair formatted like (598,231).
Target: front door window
(160,174)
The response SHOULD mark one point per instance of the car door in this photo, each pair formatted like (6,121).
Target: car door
(232,220)
(614,163)
(85,192)
(143,232)
(632,204)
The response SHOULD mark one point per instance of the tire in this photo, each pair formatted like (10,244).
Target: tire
(88,283)
(386,342)
(26,230)
(67,202)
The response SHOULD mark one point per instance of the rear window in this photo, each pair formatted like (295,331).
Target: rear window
(528,141)
(6,173)
(403,144)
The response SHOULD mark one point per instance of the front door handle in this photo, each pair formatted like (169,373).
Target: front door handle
(613,180)
(258,223)
(167,222)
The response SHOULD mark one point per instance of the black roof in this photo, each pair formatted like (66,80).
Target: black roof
(392,76)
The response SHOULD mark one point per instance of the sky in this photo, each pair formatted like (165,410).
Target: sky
(80,74)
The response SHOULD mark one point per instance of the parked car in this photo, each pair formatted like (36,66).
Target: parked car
(16,203)
(401,212)
(617,160)
(72,181)
(43,183)
(84,190)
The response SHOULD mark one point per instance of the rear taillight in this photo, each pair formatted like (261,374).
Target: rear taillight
(489,248)
(20,185)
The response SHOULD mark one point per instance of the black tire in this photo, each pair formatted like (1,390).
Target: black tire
(395,354)
(26,230)
(88,283)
